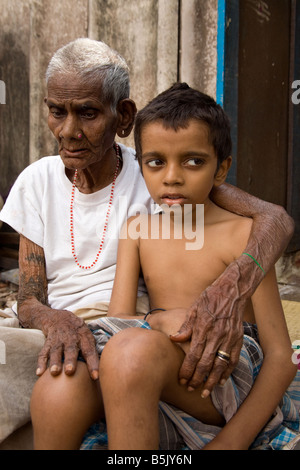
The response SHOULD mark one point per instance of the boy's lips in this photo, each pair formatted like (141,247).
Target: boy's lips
(170,198)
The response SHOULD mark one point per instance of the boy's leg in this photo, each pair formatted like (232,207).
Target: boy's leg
(138,368)
(63,408)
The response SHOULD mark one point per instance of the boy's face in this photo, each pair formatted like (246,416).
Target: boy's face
(179,167)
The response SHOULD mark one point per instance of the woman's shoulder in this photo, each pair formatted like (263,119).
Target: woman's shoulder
(130,162)
(42,166)
(127,151)
(51,161)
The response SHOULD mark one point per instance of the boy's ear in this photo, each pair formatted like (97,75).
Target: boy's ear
(126,110)
(222,172)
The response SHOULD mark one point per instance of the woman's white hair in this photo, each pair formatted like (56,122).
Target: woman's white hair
(94,62)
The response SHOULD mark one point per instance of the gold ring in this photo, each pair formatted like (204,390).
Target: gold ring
(223,353)
(223,356)
(223,359)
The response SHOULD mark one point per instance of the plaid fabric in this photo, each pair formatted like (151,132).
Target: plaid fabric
(178,430)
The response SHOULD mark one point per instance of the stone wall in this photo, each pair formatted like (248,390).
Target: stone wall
(162,40)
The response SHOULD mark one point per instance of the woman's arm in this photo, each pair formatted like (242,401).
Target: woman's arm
(215,318)
(276,373)
(272,227)
(65,333)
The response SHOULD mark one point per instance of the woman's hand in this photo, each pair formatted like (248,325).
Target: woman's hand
(66,336)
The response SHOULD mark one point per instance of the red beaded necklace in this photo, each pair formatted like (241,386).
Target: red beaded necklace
(106,217)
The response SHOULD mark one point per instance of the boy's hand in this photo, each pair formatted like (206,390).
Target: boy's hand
(213,323)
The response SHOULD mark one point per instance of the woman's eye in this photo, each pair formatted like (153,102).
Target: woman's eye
(88,114)
(57,113)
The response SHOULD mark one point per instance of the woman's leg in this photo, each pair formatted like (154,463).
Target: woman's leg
(63,408)
(138,368)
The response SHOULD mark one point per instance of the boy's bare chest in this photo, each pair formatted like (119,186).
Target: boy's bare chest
(168,267)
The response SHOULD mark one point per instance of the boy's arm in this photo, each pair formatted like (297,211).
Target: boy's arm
(124,293)
(276,373)
(63,330)
(214,321)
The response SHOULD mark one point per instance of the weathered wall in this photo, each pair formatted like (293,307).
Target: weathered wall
(53,24)
(198,58)
(145,32)
(162,40)
(14,71)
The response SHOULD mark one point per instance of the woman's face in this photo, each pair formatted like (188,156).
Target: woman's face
(83,125)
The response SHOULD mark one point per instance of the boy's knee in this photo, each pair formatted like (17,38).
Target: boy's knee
(133,353)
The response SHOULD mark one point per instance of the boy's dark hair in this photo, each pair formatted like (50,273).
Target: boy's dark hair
(179,104)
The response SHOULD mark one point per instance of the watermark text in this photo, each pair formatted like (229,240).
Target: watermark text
(2,92)
(2,352)
(296,94)
(174,222)
(296,353)
(164,223)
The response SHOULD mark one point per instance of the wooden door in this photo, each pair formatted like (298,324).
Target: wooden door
(261,64)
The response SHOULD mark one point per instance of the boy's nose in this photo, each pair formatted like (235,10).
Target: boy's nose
(173,175)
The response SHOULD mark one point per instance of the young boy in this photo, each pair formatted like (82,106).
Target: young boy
(183,146)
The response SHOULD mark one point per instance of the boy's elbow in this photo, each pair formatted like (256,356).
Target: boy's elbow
(284,360)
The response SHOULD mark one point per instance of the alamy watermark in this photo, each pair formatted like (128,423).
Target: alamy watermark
(296,94)
(175,222)
(2,92)
(296,353)
(2,352)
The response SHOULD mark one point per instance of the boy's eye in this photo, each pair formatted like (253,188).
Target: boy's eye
(154,163)
(194,162)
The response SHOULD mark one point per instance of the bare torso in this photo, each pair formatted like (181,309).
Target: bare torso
(175,276)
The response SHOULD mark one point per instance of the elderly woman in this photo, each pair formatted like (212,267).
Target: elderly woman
(69,209)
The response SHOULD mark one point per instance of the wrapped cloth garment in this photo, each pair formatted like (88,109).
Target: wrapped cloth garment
(178,430)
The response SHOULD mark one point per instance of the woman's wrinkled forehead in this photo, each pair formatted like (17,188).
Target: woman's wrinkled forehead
(69,87)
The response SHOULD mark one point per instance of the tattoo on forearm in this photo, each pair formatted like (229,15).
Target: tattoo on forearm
(33,257)
(33,286)
(32,282)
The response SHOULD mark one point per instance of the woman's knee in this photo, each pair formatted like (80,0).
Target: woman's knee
(42,394)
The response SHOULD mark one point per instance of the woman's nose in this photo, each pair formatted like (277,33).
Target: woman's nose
(69,127)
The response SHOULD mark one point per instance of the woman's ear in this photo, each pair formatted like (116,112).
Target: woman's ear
(222,171)
(126,110)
